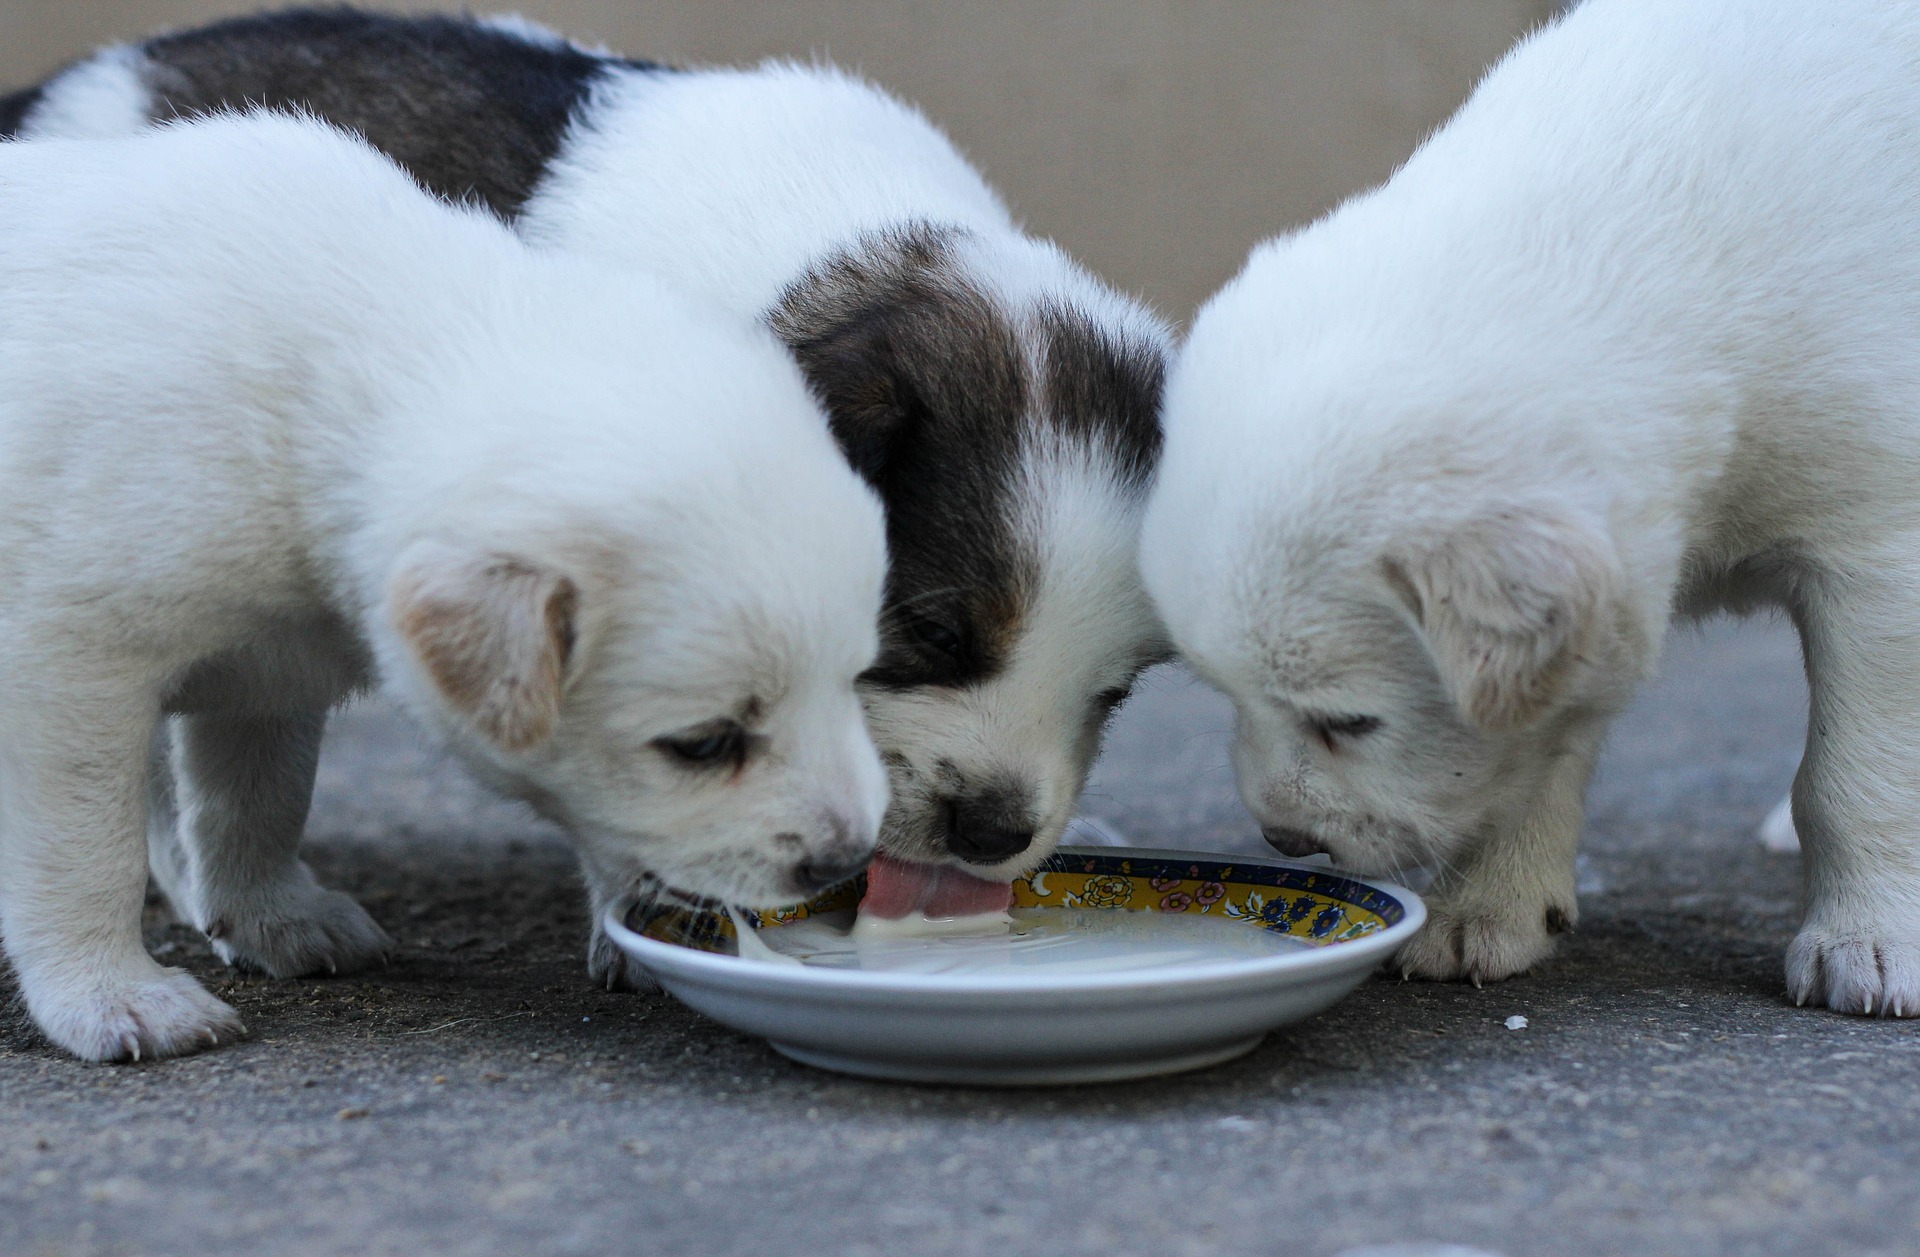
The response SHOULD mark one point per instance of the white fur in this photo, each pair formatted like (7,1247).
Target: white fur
(522,27)
(103,97)
(731,182)
(1776,832)
(274,424)
(734,182)
(1032,721)
(1638,331)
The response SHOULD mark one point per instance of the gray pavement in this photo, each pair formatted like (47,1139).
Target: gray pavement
(480,1097)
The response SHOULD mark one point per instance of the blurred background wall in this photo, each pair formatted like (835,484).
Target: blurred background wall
(1156,139)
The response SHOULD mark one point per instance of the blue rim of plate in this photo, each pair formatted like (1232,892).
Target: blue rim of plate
(1383,916)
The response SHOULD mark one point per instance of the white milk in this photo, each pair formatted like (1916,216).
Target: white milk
(1049,940)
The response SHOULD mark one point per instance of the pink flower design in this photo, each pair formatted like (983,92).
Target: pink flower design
(1163,883)
(1179,901)
(1210,892)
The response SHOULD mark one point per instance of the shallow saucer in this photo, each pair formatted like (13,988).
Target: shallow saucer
(1036,1028)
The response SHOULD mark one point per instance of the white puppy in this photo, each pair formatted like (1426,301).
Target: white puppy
(273,423)
(1636,334)
(1002,401)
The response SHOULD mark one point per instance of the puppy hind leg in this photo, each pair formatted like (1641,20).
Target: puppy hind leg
(1856,799)
(1501,909)
(167,870)
(244,785)
(73,879)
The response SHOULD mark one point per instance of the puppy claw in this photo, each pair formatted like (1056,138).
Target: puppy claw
(607,965)
(1478,946)
(1854,970)
(298,927)
(142,1015)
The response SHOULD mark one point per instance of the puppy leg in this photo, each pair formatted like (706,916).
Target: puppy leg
(166,859)
(244,784)
(1501,909)
(607,965)
(73,875)
(1856,799)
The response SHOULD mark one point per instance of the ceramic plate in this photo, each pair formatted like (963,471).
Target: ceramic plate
(1037,1028)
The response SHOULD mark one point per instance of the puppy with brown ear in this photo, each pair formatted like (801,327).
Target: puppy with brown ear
(275,425)
(1634,335)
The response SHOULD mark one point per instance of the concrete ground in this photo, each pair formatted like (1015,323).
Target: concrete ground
(480,1097)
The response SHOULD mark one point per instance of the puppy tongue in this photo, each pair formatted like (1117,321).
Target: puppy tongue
(897,888)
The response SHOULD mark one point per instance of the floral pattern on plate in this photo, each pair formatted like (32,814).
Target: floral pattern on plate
(1318,906)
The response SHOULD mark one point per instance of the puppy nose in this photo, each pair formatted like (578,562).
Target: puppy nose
(838,857)
(1293,842)
(988,827)
(830,867)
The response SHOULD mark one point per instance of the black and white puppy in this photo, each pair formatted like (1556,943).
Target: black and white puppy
(1002,401)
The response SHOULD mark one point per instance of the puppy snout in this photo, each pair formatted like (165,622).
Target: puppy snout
(830,868)
(1293,842)
(989,826)
(843,854)
(830,865)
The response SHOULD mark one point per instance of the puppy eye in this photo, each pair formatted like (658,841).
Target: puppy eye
(934,634)
(1332,729)
(708,745)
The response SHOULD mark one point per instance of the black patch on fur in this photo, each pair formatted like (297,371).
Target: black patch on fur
(1104,391)
(473,112)
(1557,921)
(927,392)
(13,111)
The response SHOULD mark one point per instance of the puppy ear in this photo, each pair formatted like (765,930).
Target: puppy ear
(1512,602)
(493,631)
(869,400)
(865,324)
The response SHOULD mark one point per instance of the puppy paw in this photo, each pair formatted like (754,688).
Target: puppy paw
(134,1019)
(297,928)
(1855,971)
(1483,942)
(613,969)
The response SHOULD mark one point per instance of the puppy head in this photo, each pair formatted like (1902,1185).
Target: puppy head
(1397,702)
(1005,408)
(1416,612)
(655,640)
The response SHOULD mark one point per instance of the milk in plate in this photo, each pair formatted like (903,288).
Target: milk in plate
(1038,940)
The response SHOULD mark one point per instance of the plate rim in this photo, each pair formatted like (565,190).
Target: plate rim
(734,972)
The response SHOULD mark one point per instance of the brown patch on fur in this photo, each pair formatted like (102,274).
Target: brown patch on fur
(496,636)
(14,109)
(1557,921)
(1103,391)
(927,390)
(473,112)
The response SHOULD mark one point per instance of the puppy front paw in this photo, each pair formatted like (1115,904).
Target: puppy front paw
(1483,942)
(135,1018)
(1855,971)
(613,969)
(296,928)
